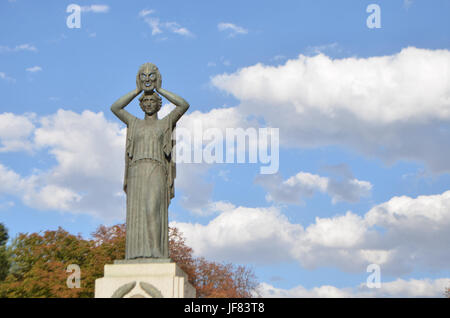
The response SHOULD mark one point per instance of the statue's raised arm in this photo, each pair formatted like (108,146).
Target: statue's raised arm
(118,107)
(181,104)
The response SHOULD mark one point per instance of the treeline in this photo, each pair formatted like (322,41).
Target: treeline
(34,265)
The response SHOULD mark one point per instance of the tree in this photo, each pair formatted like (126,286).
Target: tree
(3,234)
(4,263)
(39,263)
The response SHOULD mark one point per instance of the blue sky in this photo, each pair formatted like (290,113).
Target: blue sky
(363,116)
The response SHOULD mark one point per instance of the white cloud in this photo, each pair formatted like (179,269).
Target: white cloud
(15,132)
(243,234)
(393,107)
(176,28)
(89,162)
(232,28)
(154,25)
(165,110)
(220,118)
(11,182)
(17,48)
(344,231)
(425,208)
(414,236)
(34,69)
(399,288)
(89,153)
(95,8)
(305,184)
(32,193)
(159,27)
(145,12)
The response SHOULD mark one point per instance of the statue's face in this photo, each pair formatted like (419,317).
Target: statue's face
(147,76)
(150,105)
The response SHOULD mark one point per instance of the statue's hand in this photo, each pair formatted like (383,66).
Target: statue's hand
(138,86)
(158,82)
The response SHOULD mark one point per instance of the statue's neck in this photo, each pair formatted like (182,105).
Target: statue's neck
(152,117)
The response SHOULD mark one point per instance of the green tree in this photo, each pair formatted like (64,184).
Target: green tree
(3,234)
(4,263)
(39,263)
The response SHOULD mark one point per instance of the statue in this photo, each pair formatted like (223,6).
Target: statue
(149,165)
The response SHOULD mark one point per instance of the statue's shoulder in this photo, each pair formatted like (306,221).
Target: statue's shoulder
(133,121)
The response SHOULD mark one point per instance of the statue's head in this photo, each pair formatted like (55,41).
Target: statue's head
(147,76)
(150,103)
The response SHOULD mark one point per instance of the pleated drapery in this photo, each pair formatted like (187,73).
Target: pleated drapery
(147,192)
(147,216)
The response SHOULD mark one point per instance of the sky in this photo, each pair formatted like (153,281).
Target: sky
(359,95)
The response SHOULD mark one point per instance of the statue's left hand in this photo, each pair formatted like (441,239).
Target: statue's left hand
(158,82)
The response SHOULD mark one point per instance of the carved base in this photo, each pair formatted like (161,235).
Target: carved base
(144,280)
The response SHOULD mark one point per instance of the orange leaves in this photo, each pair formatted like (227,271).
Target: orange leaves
(39,263)
(211,279)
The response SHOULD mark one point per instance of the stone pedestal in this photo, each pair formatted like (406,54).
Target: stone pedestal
(144,279)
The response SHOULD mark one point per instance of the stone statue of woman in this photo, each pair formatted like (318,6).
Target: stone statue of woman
(149,165)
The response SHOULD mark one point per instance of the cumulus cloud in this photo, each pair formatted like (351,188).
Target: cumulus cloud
(393,107)
(233,29)
(398,288)
(305,184)
(33,192)
(89,154)
(400,235)
(15,132)
(244,234)
(88,150)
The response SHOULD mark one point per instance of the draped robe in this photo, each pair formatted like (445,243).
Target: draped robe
(149,185)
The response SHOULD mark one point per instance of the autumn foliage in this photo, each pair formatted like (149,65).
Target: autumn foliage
(38,264)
